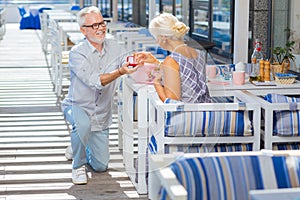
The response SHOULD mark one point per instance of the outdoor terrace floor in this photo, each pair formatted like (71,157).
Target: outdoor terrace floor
(34,134)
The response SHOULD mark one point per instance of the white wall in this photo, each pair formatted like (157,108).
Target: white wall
(295,21)
(295,26)
(241,25)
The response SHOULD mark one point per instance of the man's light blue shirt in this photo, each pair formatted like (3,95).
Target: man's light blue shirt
(86,64)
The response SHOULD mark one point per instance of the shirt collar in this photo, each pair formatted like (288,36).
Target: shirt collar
(93,49)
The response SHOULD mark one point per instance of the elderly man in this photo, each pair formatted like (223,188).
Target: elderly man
(94,64)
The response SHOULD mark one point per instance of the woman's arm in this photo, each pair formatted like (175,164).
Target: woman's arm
(159,89)
(170,69)
(172,85)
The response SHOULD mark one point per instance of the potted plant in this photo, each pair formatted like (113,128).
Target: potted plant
(282,54)
(282,57)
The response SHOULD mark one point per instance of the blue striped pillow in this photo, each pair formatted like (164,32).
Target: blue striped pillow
(199,148)
(207,123)
(218,177)
(285,123)
(205,148)
(286,146)
(287,171)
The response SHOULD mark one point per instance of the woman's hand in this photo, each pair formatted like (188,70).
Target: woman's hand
(146,57)
(157,79)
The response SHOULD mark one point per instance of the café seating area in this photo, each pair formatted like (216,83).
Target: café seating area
(144,122)
(244,145)
(228,124)
(240,119)
(150,125)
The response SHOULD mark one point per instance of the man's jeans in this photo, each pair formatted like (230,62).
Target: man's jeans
(88,146)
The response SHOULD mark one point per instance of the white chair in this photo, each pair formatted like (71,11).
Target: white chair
(122,36)
(236,175)
(135,160)
(285,136)
(214,126)
(59,60)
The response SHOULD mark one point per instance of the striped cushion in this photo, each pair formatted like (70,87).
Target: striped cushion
(205,148)
(287,171)
(232,177)
(207,123)
(286,146)
(214,178)
(285,123)
(199,148)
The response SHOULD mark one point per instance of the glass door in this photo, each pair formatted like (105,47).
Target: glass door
(211,23)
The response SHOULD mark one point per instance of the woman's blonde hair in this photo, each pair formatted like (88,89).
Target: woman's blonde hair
(168,25)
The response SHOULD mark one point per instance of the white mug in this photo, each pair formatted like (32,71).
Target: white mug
(240,66)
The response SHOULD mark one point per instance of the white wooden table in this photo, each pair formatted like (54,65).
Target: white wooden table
(64,28)
(129,132)
(217,89)
(75,37)
(46,17)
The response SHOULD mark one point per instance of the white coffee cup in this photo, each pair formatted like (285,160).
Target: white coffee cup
(240,66)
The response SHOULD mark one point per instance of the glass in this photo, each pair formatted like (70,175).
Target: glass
(105,8)
(212,22)
(167,6)
(201,18)
(280,22)
(221,30)
(95,26)
(226,71)
(227,74)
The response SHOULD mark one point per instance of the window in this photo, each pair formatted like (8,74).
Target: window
(211,23)
(35,2)
(125,10)
(105,8)
(167,6)
(171,6)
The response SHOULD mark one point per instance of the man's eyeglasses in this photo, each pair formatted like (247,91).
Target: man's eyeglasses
(95,26)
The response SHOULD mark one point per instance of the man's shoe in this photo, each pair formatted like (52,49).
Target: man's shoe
(79,175)
(69,153)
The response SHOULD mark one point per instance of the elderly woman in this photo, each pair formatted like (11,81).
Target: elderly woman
(184,69)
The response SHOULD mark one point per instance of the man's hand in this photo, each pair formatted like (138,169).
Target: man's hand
(126,69)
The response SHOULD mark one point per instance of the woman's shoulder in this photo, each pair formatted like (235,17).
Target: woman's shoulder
(170,61)
(187,53)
